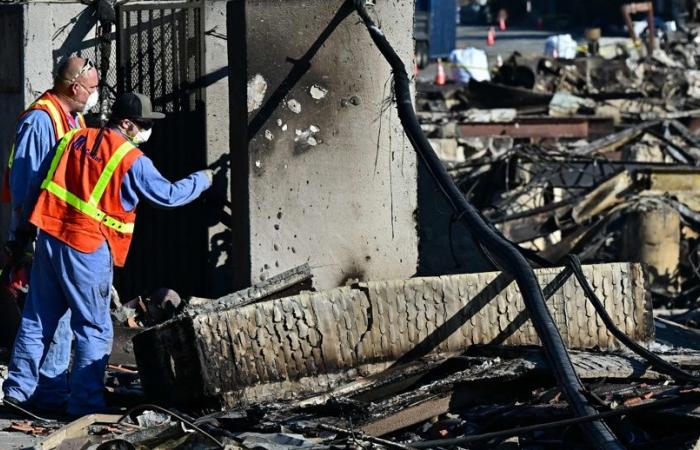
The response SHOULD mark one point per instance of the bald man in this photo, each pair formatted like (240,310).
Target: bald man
(46,121)
(39,128)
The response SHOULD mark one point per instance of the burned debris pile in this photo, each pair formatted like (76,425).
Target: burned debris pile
(591,159)
(593,156)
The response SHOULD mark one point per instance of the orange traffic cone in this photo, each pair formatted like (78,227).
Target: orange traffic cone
(440,77)
(491,37)
(502,17)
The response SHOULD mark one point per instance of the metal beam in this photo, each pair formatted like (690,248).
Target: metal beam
(543,128)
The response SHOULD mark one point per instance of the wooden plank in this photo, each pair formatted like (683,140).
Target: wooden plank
(285,284)
(604,197)
(614,141)
(76,429)
(408,417)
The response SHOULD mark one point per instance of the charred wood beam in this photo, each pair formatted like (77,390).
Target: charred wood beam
(538,128)
(472,386)
(284,284)
(616,140)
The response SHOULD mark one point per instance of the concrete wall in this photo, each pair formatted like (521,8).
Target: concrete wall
(217,131)
(328,177)
(11,88)
(445,246)
(49,32)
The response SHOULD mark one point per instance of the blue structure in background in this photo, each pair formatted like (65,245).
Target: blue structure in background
(435,29)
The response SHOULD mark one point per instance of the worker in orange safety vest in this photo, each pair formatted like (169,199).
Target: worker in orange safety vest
(39,128)
(85,213)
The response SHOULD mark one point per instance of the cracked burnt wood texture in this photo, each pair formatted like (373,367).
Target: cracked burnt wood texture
(314,341)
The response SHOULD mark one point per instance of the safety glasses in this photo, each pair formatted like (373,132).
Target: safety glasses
(83,70)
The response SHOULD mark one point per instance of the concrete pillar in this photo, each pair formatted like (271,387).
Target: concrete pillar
(215,84)
(321,170)
(653,237)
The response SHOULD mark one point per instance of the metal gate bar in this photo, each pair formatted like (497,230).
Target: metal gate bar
(160,54)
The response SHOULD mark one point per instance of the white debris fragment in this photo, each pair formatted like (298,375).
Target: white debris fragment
(257,87)
(258,163)
(284,127)
(314,129)
(268,135)
(279,122)
(317,92)
(312,141)
(152,419)
(294,106)
(298,132)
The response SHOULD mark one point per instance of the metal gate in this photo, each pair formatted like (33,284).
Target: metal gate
(159,53)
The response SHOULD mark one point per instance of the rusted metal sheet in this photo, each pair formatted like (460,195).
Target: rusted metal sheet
(311,342)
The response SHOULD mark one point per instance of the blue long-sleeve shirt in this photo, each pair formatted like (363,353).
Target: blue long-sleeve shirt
(142,181)
(34,140)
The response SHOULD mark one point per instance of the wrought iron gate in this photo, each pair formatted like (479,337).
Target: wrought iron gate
(159,53)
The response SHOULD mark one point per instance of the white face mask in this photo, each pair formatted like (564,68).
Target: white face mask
(91,102)
(142,136)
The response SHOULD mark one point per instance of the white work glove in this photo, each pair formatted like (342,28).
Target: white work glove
(210,175)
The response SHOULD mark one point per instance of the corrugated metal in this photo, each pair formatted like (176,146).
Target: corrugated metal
(160,55)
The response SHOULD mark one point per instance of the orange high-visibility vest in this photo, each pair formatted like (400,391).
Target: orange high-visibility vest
(61,125)
(80,200)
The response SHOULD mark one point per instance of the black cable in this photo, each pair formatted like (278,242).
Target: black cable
(16,407)
(656,362)
(506,254)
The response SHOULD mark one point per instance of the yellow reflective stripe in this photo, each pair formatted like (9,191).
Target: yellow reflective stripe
(60,132)
(63,143)
(88,209)
(11,159)
(55,118)
(108,171)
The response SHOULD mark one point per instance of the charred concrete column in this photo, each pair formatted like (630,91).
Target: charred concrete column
(322,172)
(653,236)
(215,85)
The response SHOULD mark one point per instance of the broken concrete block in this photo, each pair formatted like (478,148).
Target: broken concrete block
(311,342)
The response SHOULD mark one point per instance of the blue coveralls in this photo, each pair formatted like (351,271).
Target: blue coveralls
(34,140)
(64,278)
